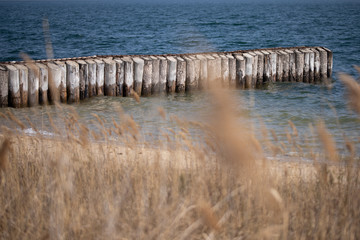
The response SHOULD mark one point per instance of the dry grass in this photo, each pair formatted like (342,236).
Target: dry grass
(353,90)
(72,187)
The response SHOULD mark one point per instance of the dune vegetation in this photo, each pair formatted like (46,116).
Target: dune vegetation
(83,184)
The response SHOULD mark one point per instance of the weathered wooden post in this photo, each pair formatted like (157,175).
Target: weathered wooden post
(100,75)
(163,72)
(138,74)
(254,69)
(232,70)
(54,82)
(23,80)
(240,71)
(84,80)
(260,68)
(306,74)
(249,61)
(267,67)
(273,64)
(171,74)
(43,83)
(147,76)
(292,65)
(120,77)
(329,61)
(299,63)
(225,71)
(316,65)
(285,65)
(152,74)
(218,76)
(91,77)
(155,80)
(279,66)
(110,77)
(211,70)
(33,84)
(197,65)
(14,86)
(190,82)
(180,75)
(128,76)
(4,86)
(203,80)
(63,88)
(311,65)
(72,81)
(323,63)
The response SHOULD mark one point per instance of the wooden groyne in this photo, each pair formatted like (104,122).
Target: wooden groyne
(24,84)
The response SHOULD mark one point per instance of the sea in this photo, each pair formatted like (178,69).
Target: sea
(111,27)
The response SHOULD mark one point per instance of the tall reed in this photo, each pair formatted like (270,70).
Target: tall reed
(73,187)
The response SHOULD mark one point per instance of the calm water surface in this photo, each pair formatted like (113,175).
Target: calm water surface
(84,28)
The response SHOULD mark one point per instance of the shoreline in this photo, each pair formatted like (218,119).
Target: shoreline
(168,157)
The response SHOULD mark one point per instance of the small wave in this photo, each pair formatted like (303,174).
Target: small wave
(32,132)
(290,157)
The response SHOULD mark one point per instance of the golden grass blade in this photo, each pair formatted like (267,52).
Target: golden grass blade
(135,96)
(357,68)
(328,142)
(48,44)
(353,89)
(74,187)
(293,127)
(4,149)
(208,216)
(162,113)
(215,208)
(30,63)
(220,223)
(16,120)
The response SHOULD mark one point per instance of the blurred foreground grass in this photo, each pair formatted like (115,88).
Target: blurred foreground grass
(72,187)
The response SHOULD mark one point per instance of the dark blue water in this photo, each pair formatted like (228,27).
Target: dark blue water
(82,28)
(85,28)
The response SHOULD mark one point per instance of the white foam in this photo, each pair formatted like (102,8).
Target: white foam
(30,131)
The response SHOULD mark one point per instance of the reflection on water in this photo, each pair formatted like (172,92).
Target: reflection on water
(273,107)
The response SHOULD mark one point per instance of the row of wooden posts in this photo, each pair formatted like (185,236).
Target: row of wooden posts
(70,80)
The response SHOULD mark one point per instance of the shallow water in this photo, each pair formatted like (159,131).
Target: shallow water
(83,28)
(273,107)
